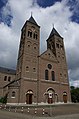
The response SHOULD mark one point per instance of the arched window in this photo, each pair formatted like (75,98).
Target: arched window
(34,69)
(27,68)
(5,78)
(46,74)
(28,44)
(9,78)
(30,34)
(35,36)
(13,94)
(35,47)
(53,75)
(65,97)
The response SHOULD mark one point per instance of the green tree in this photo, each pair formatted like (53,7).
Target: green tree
(4,99)
(72,87)
(74,94)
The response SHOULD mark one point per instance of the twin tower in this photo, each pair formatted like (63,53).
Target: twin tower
(40,78)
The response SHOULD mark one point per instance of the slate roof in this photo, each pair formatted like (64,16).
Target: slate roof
(32,20)
(48,55)
(7,70)
(54,32)
(14,83)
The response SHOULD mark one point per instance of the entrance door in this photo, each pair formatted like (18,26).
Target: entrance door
(50,95)
(29,98)
(65,97)
(50,100)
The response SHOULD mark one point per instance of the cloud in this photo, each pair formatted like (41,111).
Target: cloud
(8,46)
(58,14)
(74,7)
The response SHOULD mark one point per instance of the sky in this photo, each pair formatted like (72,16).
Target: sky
(64,14)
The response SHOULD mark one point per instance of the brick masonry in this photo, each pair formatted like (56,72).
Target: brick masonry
(32,84)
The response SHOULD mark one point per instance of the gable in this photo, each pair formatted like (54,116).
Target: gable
(48,55)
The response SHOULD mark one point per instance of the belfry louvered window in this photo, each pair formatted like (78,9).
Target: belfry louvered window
(30,34)
(35,36)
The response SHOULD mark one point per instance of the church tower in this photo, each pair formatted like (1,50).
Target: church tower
(56,45)
(28,60)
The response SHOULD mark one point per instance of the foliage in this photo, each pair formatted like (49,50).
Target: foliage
(74,94)
(4,99)
(72,87)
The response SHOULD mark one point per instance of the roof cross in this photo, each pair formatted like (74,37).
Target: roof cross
(31,13)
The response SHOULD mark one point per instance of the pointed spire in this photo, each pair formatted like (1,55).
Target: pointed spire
(54,32)
(32,20)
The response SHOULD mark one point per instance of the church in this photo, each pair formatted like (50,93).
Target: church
(39,78)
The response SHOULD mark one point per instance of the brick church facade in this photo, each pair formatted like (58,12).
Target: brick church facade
(40,78)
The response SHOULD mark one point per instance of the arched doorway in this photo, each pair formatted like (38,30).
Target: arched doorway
(29,95)
(50,95)
(64,97)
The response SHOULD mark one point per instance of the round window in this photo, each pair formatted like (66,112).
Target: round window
(49,66)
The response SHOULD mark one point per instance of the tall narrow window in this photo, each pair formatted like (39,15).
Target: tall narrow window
(57,45)
(35,36)
(53,75)
(61,47)
(46,74)
(5,78)
(9,78)
(35,47)
(29,34)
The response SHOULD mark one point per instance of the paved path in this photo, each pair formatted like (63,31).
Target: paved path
(54,110)
(68,111)
(12,115)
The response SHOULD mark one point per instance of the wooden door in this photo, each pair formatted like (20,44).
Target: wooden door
(65,98)
(50,100)
(29,98)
